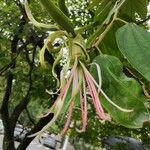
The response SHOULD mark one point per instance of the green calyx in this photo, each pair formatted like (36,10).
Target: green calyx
(78,50)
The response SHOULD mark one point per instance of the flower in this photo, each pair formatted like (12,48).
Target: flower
(74,89)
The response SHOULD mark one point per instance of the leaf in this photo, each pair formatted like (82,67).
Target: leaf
(63,7)
(132,7)
(109,45)
(134,43)
(125,92)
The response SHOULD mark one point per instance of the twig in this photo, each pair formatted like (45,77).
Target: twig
(145,91)
(143,21)
(113,12)
(143,85)
(125,22)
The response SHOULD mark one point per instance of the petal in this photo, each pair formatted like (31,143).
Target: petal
(83,102)
(95,98)
(66,126)
(103,93)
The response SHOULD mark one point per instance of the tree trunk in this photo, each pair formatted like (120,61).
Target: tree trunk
(8,142)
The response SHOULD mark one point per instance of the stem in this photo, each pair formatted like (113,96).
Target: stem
(114,11)
(100,38)
(83,29)
(125,22)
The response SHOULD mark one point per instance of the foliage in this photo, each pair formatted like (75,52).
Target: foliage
(107,46)
(121,88)
(133,42)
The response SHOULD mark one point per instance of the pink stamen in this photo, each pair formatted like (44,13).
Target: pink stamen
(95,98)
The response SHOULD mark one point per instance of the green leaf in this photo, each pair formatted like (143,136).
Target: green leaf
(125,92)
(134,43)
(63,7)
(109,45)
(132,7)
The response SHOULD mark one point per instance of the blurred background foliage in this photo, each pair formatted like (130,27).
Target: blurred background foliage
(31,38)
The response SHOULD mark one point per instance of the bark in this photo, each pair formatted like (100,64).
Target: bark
(8,141)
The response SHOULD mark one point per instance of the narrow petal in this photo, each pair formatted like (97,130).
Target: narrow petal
(95,98)
(66,126)
(94,95)
(53,68)
(41,55)
(75,84)
(83,102)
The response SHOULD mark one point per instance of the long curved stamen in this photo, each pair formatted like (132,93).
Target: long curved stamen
(41,55)
(107,98)
(99,74)
(54,65)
